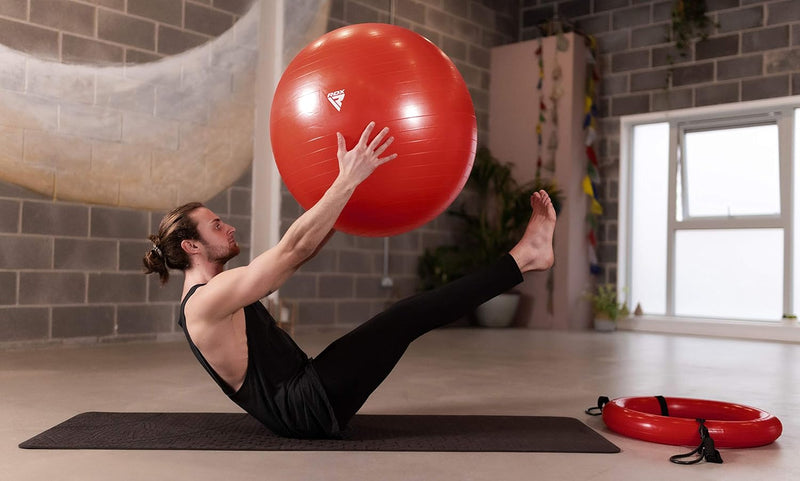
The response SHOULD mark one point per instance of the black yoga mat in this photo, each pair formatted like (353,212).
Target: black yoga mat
(241,432)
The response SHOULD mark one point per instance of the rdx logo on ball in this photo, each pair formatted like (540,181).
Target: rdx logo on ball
(336,98)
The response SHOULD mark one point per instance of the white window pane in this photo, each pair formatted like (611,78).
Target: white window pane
(650,167)
(731,273)
(796,213)
(722,164)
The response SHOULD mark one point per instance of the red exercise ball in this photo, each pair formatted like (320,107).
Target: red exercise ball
(399,79)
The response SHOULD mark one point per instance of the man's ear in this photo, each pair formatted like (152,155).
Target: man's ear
(190,246)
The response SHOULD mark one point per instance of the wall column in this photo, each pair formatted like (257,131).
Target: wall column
(266,197)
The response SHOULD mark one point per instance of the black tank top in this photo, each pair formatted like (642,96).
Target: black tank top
(281,388)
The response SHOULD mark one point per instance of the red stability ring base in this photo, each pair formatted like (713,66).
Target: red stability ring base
(729,425)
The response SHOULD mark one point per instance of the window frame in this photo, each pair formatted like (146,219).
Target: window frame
(780,112)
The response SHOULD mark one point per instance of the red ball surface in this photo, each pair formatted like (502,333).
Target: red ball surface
(399,79)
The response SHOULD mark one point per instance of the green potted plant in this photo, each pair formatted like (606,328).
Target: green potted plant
(689,21)
(605,307)
(492,220)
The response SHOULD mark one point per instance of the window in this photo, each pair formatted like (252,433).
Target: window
(707,211)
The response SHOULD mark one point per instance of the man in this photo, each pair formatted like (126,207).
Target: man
(257,364)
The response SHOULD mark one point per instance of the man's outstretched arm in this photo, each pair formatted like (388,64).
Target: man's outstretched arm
(232,289)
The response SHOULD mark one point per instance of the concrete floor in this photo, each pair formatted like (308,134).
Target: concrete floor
(450,371)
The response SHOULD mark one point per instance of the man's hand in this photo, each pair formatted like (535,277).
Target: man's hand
(357,164)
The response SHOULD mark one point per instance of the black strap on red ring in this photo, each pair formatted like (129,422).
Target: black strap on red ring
(706,450)
(597,410)
(663,403)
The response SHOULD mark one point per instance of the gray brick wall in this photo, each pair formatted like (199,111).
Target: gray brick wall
(61,262)
(751,54)
(72,272)
(114,31)
(53,273)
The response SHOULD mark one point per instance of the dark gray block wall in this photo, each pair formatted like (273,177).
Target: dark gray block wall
(72,272)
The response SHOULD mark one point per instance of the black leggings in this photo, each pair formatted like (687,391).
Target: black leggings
(353,366)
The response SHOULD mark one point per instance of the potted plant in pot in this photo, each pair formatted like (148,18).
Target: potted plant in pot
(606,308)
(493,215)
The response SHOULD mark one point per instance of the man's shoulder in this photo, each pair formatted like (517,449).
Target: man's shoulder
(201,305)
(190,291)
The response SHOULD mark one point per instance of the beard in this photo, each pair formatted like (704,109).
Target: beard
(222,254)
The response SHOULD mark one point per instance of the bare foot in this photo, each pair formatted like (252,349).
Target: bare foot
(534,252)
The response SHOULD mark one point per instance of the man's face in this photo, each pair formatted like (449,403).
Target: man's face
(216,236)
